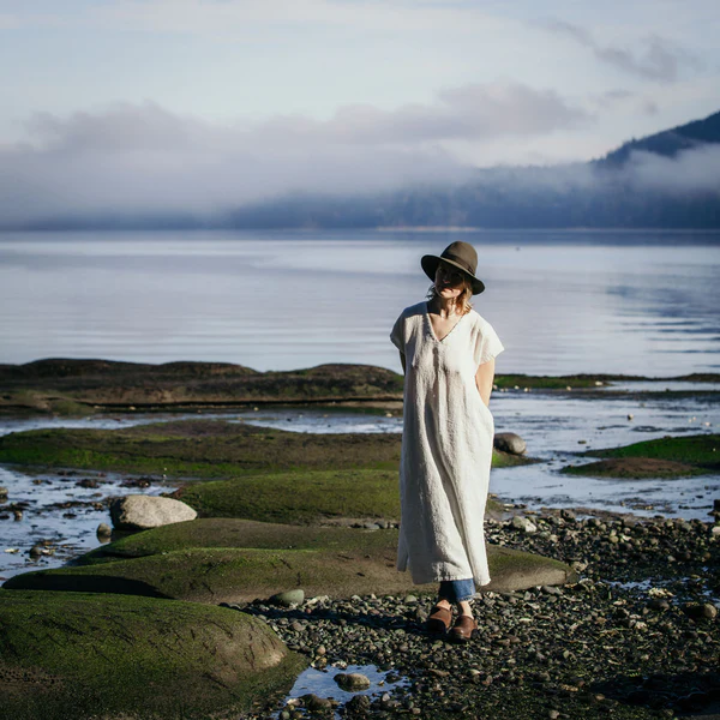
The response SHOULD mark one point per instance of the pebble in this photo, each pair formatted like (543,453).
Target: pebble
(352,682)
(288,598)
(522,523)
(589,645)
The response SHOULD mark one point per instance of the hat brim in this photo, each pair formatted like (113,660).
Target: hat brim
(430,264)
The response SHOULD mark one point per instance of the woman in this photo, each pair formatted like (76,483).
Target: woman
(447,352)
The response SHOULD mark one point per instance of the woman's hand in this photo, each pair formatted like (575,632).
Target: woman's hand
(484,380)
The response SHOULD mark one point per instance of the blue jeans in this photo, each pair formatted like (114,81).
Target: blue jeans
(455,591)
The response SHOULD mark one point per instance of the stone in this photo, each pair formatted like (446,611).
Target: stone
(142,512)
(509,442)
(700,611)
(103,530)
(314,703)
(358,704)
(551,590)
(3,493)
(122,655)
(352,682)
(289,597)
(522,523)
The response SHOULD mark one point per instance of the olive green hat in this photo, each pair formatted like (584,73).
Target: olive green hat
(461,255)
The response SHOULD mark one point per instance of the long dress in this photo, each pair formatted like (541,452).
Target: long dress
(446,447)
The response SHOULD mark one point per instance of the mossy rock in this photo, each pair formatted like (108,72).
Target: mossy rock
(324,561)
(668,457)
(205,449)
(304,497)
(77,655)
(634,469)
(235,533)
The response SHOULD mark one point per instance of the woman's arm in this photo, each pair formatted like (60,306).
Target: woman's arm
(484,380)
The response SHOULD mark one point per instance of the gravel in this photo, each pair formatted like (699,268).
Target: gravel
(636,637)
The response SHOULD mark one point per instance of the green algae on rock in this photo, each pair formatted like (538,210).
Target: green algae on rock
(264,560)
(76,655)
(667,457)
(236,533)
(205,449)
(304,497)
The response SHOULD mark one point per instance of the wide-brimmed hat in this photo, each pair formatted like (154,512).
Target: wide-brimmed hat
(461,255)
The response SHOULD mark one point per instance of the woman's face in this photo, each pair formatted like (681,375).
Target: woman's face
(448,281)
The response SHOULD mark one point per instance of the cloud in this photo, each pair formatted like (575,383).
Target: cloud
(656,58)
(141,157)
(696,170)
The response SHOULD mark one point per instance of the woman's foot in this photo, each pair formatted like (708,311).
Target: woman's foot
(463,629)
(439,619)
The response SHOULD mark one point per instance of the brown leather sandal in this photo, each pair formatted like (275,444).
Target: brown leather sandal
(439,620)
(464,629)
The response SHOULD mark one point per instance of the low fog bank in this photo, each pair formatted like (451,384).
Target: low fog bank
(144,167)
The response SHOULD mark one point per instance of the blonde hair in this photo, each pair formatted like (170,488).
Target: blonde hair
(462,304)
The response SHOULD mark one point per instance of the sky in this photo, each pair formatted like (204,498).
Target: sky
(173,104)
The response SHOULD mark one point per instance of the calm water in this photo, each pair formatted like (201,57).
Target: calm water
(561,302)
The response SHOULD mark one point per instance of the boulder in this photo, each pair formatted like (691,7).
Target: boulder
(235,561)
(508,442)
(142,512)
(77,655)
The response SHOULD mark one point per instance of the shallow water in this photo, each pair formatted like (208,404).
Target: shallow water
(322,683)
(553,426)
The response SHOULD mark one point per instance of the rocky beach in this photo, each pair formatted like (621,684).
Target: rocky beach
(594,610)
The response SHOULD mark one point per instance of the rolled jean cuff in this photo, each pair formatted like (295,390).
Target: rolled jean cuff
(456,591)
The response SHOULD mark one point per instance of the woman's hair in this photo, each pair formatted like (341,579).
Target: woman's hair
(462,303)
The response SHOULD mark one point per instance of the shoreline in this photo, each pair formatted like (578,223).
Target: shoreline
(635,636)
(66,386)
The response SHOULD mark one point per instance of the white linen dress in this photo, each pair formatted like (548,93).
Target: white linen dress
(446,447)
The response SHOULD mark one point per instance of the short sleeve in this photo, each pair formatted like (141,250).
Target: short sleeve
(398,334)
(487,345)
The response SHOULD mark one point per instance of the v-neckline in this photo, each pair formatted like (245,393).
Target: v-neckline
(432,330)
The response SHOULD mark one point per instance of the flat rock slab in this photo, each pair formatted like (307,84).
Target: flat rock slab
(129,385)
(236,533)
(666,457)
(634,468)
(214,449)
(324,561)
(76,655)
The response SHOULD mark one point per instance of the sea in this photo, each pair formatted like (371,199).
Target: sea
(562,302)
(634,303)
